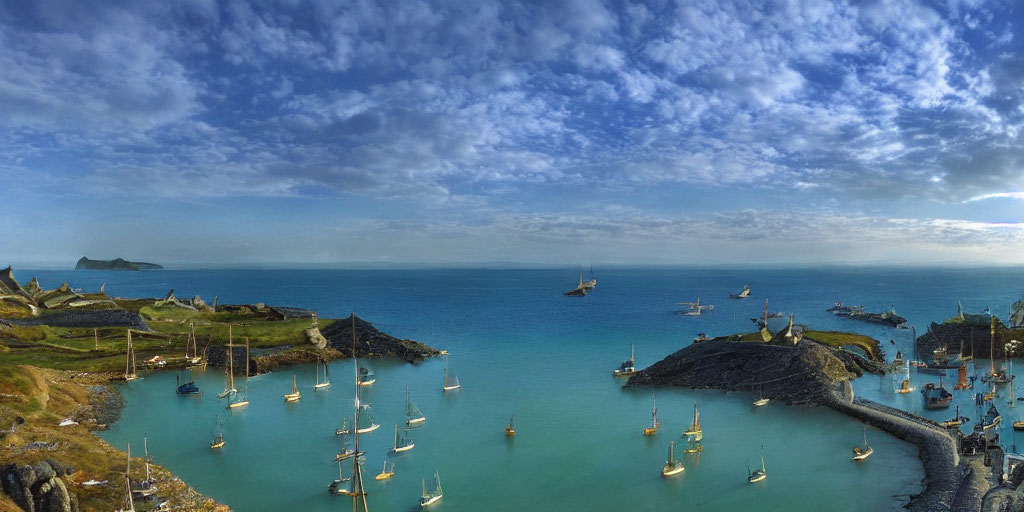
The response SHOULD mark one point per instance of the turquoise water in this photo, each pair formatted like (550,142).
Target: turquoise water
(520,347)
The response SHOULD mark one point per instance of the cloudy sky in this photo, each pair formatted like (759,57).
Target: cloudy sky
(453,132)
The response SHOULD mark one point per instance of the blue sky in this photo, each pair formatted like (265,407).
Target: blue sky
(333,133)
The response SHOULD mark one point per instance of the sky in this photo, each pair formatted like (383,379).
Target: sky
(340,133)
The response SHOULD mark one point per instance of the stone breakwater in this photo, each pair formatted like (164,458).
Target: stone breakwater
(86,318)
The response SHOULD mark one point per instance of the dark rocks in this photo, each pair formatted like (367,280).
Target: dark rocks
(807,373)
(39,487)
(86,318)
(116,264)
(974,328)
(372,343)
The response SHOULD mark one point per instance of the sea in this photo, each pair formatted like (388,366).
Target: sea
(520,347)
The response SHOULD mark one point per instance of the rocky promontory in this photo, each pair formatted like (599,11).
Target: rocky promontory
(370,342)
(806,373)
(116,264)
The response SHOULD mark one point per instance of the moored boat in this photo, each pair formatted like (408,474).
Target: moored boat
(295,395)
(655,424)
(510,429)
(695,432)
(627,368)
(432,495)
(402,444)
(413,417)
(743,294)
(936,396)
(451,379)
(385,473)
(672,466)
(321,384)
(758,474)
(863,452)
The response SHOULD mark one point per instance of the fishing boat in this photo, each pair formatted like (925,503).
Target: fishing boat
(627,367)
(863,452)
(451,379)
(672,466)
(366,376)
(337,486)
(955,422)
(761,400)
(240,400)
(433,494)
(192,357)
(758,474)
(327,376)
(743,294)
(188,388)
(655,424)
(936,396)
(402,445)
(413,417)
(694,431)
(365,423)
(129,366)
(343,430)
(510,429)
(385,473)
(128,505)
(295,395)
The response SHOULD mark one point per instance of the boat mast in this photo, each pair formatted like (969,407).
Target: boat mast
(992,345)
(231,362)
(762,459)
(358,494)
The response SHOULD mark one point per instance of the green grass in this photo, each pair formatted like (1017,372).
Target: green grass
(840,339)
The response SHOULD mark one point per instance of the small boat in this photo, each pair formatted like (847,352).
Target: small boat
(694,431)
(345,453)
(67,422)
(91,483)
(336,487)
(758,474)
(218,441)
(655,424)
(743,294)
(366,376)
(581,289)
(432,495)
(761,399)
(385,473)
(240,400)
(343,430)
(129,367)
(627,367)
(404,444)
(327,377)
(956,422)
(146,487)
(192,357)
(510,429)
(1018,425)
(693,308)
(936,397)
(366,423)
(188,388)
(295,395)
(672,466)
(990,420)
(451,379)
(413,417)
(229,389)
(156,361)
(863,452)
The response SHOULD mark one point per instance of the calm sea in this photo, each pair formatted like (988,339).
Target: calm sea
(521,347)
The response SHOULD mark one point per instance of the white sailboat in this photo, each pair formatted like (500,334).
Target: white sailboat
(365,423)
(146,487)
(861,453)
(672,466)
(129,367)
(192,357)
(241,400)
(404,444)
(229,390)
(413,417)
(128,505)
(761,399)
(451,379)
(295,395)
(758,474)
(327,376)
(366,376)
(432,495)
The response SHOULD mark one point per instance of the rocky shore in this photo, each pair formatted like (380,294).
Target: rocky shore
(371,343)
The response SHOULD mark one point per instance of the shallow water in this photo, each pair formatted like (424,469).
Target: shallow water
(521,347)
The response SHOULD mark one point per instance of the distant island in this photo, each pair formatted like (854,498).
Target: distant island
(118,264)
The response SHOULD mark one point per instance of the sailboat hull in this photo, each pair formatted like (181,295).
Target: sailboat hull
(218,444)
(450,388)
(292,397)
(400,449)
(383,476)
(371,428)
(321,385)
(413,423)
(763,401)
(365,383)
(238,405)
(757,477)
(861,455)
(426,502)
(672,469)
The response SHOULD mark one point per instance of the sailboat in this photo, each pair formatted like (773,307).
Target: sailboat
(295,395)
(863,452)
(413,417)
(146,487)
(581,289)
(672,466)
(188,388)
(743,294)
(128,505)
(404,444)
(343,430)
(451,379)
(905,385)
(335,487)
(758,474)
(385,473)
(761,400)
(655,424)
(432,495)
(694,431)
(242,400)
(510,429)
(192,357)
(327,376)
(218,439)
(955,422)
(229,390)
(366,376)
(627,368)
(365,423)
(129,366)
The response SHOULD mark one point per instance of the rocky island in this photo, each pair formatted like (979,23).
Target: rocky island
(61,350)
(116,264)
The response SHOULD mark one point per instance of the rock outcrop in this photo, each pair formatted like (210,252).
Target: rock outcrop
(85,318)
(372,343)
(116,264)
(807,373)
(39,487)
